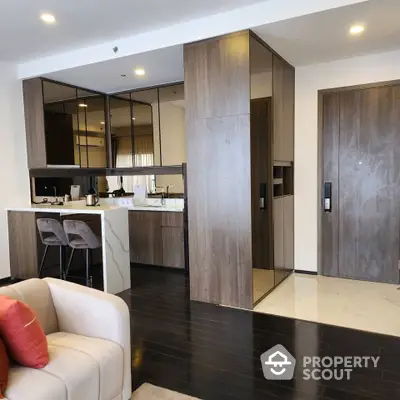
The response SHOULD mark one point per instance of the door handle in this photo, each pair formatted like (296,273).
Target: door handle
(263,195)
(328,197)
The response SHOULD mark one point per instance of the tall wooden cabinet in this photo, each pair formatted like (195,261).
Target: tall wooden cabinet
(232,140)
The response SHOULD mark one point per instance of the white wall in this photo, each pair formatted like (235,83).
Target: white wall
(14,177)
(359,70)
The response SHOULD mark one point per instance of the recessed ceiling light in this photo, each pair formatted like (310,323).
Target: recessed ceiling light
(357,29)
(140,71)
(102,123)
(82,105)
(48,18)
(133,118)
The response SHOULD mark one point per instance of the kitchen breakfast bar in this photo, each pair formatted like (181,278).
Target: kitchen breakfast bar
(112,225)
(151,233)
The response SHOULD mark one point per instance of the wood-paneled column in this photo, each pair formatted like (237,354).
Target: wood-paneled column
(217,105)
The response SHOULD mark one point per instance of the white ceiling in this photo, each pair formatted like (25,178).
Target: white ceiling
(89,22)
(324,36)
(162,66)
(313,38)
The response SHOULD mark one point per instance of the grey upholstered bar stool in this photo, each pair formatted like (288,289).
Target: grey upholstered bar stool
(81,237)
(52,234)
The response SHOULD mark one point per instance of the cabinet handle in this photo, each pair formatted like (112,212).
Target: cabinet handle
(263,195)
(328,197)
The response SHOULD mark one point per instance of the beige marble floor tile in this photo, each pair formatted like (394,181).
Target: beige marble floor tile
(373,307)
(263,282)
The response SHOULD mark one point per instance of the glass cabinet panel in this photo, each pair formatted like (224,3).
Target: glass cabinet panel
(59,107)
(89,130)
(122,145)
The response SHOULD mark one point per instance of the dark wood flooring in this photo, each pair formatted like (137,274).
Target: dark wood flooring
(213,352)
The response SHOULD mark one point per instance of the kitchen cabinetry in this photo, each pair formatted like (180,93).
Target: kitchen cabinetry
(64,125)
(157,238)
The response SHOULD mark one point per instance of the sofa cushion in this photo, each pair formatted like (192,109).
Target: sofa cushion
(36,294)
(34,384)
(107,356)
(4,365)
(22,333)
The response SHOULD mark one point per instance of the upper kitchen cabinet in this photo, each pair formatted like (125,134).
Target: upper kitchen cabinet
(132,128)
(148,129)
(90,145)
(64,125)
(283,110)
(172,137)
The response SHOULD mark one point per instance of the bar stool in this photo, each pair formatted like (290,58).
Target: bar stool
(52,234)
(81,237)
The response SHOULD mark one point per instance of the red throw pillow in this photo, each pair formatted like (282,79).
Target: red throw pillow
(22,334)
(4,364)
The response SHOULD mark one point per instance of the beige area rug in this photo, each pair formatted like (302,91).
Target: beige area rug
(151,392)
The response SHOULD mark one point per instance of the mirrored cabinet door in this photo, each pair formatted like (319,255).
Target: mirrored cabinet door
(89,130)
(122,144)
(261,146)
(59,106)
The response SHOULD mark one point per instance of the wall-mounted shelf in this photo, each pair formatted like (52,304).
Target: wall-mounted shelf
(283,179)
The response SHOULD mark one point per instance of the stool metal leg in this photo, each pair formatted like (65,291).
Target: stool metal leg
(88,265)
(69,263)
(62,262)
(42,262)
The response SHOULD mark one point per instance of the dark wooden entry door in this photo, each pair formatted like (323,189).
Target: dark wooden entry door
(361,183)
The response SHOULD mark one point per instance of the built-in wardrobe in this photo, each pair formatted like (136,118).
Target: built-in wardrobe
(239,98)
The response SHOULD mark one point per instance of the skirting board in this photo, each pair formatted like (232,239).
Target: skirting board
(299,271)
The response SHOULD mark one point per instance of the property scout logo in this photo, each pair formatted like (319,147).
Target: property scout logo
(278,364)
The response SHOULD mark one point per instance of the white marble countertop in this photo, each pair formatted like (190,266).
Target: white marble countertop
(68,208)
(79,207)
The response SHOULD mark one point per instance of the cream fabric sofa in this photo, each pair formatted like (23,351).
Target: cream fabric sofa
(88,334)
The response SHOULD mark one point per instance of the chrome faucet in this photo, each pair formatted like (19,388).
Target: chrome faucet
(162,194)
(169,186)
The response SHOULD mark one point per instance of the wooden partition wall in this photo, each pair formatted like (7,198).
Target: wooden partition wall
(237,141)
(217,93)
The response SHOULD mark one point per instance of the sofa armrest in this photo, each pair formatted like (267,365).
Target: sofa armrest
(88,312)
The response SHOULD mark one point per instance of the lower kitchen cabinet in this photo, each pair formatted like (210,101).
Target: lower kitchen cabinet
(157,238)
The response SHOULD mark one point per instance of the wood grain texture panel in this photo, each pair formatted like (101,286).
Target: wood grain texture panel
(219,191)
(145,237)
(217,77)
(261,173)
(22,238)
(288,232)
(217,109)
(34,123)
(279,239)
(172,219)
(369,179)
(330,114)
(173,247)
